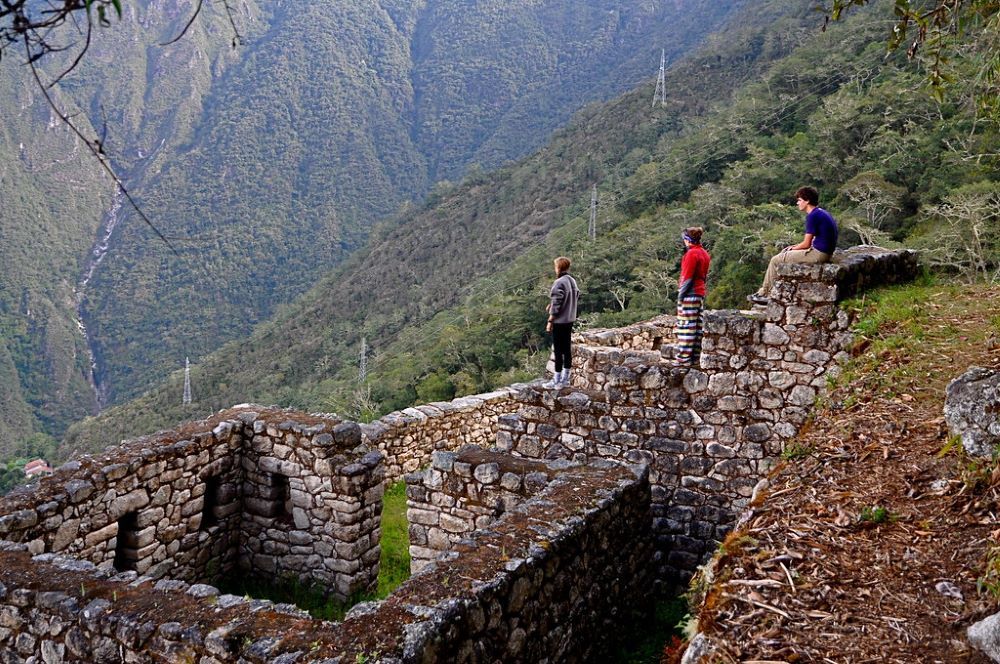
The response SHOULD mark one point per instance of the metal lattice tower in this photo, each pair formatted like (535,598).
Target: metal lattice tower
(187,381)
(661,82)
(363,361)
(592,227)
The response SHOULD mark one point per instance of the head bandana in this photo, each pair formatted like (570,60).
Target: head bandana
(688,238)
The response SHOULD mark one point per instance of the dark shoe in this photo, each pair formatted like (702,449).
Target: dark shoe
(757,298)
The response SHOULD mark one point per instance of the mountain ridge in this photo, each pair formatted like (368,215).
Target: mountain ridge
(244,246)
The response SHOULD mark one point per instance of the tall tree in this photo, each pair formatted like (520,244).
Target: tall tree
(942,31)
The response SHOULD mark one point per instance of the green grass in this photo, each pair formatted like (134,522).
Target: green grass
(645,641)
(876,514)
(796,451)
(394,569)
(897,324)
(394,565)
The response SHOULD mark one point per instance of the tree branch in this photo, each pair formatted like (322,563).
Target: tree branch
(94,147)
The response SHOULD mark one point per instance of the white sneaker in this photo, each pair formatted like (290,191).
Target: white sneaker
(552,383)
(564,378)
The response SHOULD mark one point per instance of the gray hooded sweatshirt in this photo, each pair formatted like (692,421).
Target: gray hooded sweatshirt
(565,295)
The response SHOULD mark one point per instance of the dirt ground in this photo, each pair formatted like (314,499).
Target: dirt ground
(874,539)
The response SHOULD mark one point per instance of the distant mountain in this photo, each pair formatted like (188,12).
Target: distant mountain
(268,164)
(450,297)
(54,198)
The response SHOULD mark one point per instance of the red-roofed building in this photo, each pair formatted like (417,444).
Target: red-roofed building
(36,468)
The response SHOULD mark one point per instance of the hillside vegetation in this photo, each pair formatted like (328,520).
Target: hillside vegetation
(54,199)
(875,502)
(450,297)
(264,165)
(339,113)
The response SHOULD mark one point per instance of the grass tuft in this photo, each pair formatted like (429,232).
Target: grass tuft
(394,569)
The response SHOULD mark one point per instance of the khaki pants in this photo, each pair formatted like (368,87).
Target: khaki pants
(792,256)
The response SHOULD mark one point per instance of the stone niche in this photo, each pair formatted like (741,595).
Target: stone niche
(265,492)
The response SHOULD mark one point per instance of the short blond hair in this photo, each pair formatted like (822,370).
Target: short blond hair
(562,263)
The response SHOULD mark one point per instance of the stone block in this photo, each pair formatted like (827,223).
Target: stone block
(78,490)
(734,403)
(422,516)
(696,381)
(512,481)
(719,451)
(721,384)
(972,410)
(774,335)
(817,292)
(802,395)
(150,517)
(102,535)
(454,524)
(757,433)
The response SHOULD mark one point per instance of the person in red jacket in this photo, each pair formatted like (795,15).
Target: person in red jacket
(690,298)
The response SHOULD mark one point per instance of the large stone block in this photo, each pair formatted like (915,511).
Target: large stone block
(972,410)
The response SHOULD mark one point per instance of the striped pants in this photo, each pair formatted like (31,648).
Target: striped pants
(688,330)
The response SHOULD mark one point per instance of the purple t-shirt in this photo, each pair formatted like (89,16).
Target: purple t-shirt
(823,228)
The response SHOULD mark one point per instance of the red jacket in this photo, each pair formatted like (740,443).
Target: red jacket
(694,269)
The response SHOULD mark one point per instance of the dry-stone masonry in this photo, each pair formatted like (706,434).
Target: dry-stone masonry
(261,491)
(547,575)
(408,437)
(467,490)
(522,553)
(708,433)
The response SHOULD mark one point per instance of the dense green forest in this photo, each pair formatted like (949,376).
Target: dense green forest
(54,196)
(264,165)
(450,296)
(41,352)
(339,113)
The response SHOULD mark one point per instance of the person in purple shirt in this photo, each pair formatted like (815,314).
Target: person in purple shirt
(817,245)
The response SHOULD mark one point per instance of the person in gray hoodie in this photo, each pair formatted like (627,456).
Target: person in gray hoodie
(562,313)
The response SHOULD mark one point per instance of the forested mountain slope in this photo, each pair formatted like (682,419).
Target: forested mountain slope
(53,199)
(451,297)
(266,165)
(339,113)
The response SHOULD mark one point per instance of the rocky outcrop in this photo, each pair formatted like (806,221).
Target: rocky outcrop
(972,410)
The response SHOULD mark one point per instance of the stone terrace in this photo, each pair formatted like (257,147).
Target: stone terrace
(710,433)
(250,490)
(537,583)
(524,552)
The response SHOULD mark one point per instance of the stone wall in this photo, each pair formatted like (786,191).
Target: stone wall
(651,334)
(55,609)
(312,504)
(148,495)
(548,575)
(265,491)
(466,490)
(709,433)
(525,552)
(408,437)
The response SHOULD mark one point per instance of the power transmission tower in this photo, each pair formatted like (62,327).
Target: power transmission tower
(661,82)
(363,361)
(592,227)
(187,381)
